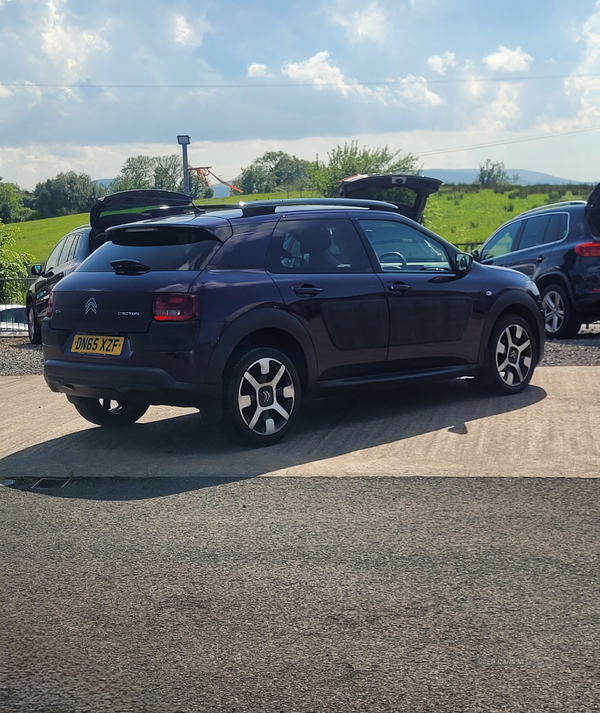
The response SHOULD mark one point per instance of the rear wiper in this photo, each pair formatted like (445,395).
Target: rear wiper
(129,267)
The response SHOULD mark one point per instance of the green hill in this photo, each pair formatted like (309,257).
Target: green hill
(462,214)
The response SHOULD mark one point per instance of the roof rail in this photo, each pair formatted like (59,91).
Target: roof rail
(562,204)
(272,206)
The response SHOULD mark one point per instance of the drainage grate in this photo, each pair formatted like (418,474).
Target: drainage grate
(51,483)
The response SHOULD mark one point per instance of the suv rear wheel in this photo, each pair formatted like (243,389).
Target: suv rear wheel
(511,355)
(261,396)
(33,328)
(114,414)
(562,321)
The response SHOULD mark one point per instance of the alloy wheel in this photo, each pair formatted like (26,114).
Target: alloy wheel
(554,311)
(266,396)
(514,355)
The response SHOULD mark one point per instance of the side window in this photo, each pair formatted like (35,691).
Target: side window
(69,249)
(54,258)
(74,247)
(533,232)
(557,228)
(399,246)
(316,246)
(502,241)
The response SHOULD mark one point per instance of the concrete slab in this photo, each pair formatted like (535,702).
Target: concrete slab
(551,430)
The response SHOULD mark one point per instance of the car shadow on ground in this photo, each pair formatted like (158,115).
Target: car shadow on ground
(188,455)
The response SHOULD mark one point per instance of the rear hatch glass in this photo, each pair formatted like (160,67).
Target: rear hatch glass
(157,248)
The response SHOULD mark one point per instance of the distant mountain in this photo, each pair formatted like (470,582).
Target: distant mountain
(220,191)
(104,182)
(468,175)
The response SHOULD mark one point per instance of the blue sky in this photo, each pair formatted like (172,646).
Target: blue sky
(85,85)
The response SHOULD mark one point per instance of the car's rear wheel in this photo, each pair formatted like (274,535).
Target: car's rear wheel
(562,321)
(107,412)
(512,354)
(33,328)
(261,396)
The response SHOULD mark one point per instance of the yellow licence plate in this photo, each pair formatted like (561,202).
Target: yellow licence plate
(86,344)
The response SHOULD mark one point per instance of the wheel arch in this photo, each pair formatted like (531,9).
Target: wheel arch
(523,306)
(265,327)
(555,278)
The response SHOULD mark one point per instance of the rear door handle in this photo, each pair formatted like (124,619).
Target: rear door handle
(398,287)
(540,258)
(307,290)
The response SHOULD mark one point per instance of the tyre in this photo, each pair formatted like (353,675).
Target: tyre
(114,414)
(511,358)
(562,321)
(261,394)
(33,328)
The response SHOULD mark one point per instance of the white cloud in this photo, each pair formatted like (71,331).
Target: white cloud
(414,90)
(257,70)
(320,72)
(506,60)
(369,23)
(440,63)
(4,92)
(190,33)
(68,46)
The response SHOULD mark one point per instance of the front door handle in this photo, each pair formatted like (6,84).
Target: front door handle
(307,290)
(540,258)
(398,287)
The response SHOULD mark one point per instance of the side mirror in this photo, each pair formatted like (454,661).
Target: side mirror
(36,270)
(463,262)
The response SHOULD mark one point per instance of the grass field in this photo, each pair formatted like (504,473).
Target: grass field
(461,216)
(470,218)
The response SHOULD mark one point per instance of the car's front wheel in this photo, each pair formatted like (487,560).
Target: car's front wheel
(261,396)
(106,412)
(512,354)
(33,328)
(562,321)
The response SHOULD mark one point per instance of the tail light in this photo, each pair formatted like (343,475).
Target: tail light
(175,307)
(50,304)
(588,249)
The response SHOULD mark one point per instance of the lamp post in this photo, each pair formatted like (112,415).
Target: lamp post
(184,141)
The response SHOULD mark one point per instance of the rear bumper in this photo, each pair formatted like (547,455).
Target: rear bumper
(142,385)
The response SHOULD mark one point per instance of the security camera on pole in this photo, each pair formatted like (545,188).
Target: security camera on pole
(184,141)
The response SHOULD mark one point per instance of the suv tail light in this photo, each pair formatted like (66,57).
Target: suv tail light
(588,249)
(50,304)
(175,307)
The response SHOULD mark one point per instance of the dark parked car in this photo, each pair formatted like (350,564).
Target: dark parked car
(558,247)
(71,251)
(244,312)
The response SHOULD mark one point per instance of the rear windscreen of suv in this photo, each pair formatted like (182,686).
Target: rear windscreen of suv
(395,194)
(164,248)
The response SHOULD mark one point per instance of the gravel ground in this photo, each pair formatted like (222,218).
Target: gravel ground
(20,358)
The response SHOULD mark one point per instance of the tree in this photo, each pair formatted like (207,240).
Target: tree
(275,171)
(163,172)
(349,159)
(137,172)
(492,175)
(13,266)
(66,194)
(11,203)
